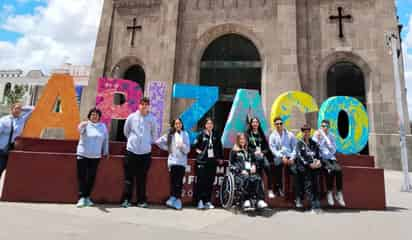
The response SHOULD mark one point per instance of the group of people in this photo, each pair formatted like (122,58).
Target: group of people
(252,157)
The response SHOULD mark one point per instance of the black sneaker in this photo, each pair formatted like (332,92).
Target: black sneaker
(125,204)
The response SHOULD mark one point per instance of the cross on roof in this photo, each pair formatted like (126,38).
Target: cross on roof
(340,19)
(134,28)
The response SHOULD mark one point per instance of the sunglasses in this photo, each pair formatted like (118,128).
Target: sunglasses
(325,126)
(279,124)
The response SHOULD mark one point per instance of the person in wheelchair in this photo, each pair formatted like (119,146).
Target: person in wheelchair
(243,166)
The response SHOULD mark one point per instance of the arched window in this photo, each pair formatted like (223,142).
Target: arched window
(230,62)
(136,74)
(346,79)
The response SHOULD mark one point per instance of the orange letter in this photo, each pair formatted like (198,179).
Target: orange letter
(59,86)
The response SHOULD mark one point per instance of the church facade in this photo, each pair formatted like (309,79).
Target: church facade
(322,47)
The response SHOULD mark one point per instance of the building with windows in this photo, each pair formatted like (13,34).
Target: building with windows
(34,81)
(324,48)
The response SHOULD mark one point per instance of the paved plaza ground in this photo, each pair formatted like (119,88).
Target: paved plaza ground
(51,221)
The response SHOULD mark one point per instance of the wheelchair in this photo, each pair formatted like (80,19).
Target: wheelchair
(231,192)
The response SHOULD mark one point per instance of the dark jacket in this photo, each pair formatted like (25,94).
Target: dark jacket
(202,143)
(306,153)
(238,160)
(255,140)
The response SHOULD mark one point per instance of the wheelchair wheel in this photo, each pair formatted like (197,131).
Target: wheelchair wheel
(227,191)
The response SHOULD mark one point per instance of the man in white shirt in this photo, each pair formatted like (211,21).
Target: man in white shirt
(140,130)
(282,143)
(327,146)
(11,126)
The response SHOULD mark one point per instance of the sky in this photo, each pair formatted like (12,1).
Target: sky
(44,34)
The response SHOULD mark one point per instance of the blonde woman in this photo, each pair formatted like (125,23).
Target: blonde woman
(243,164)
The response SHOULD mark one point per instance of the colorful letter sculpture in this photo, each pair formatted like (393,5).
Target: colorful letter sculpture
(157,95)
(205,98)
(106,91)
(358,123)
(59,87)
(247,103)
(284,103)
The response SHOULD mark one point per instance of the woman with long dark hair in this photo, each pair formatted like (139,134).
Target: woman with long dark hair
(259,148)
(177,143)
(209,151)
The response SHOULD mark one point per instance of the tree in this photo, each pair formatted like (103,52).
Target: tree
(15,94)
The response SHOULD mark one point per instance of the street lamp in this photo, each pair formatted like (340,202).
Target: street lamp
(392,42)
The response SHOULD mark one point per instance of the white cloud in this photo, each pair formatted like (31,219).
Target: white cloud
(5,11)
(61,31)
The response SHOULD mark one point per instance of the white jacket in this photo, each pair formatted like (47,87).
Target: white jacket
(177,156)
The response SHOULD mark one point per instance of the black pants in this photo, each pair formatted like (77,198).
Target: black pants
(205,176)
(306,180)
(264,166)
(86,174)
(333,170)
(176,180)
(136,166)
(298,175)
(251,187)
(278,175)
(3,163)
(312,186)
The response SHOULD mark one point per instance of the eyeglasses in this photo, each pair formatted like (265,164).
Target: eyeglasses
(279,124)
(325,126)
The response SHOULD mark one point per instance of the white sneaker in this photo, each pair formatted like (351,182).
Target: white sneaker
(143,205)
(81,203)
(200,205)
(331,202)
(271,194)
(262,204)
(89,202)
(178,204)
(209,205)
(298,203)
(247,204)
(171,202)
(339,198)
(281,193)
(316,211)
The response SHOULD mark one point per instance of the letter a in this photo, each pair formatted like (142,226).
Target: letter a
(59,86)
(247,103)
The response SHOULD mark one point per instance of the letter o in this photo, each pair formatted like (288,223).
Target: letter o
(358,123)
